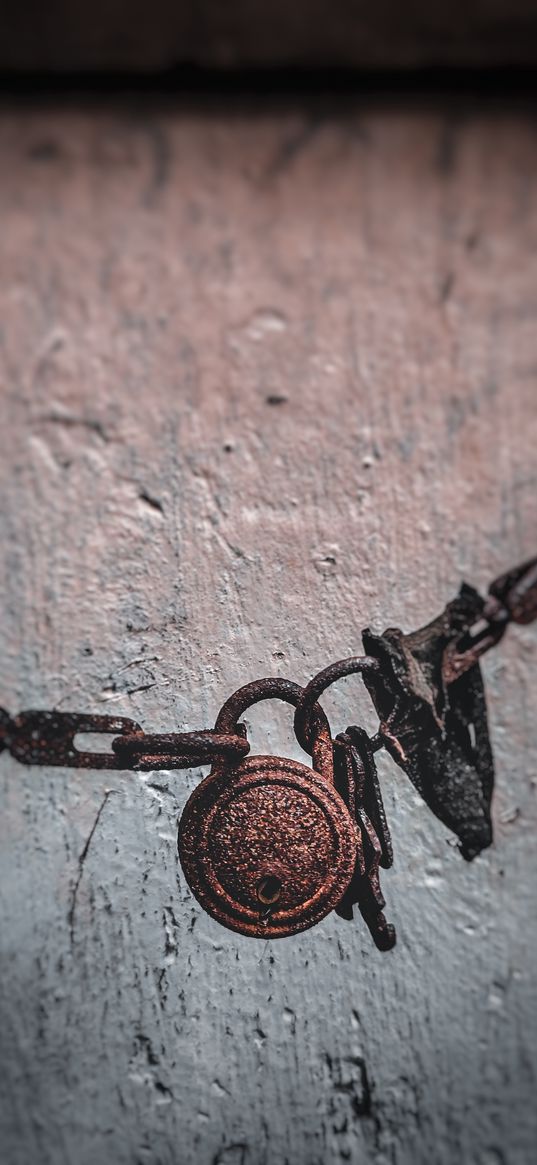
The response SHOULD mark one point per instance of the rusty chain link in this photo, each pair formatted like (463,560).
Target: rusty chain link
(512,598)
(49,738)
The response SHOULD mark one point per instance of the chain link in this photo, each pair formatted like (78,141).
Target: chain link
(49,738)
(512,598)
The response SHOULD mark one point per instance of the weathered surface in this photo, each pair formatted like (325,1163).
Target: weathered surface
(265,380)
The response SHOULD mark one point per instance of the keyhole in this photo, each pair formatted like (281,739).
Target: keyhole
(269,889)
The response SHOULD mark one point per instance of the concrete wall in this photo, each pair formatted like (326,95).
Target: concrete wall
(267,377)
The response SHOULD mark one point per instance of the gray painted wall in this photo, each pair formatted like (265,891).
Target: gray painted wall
(169,532)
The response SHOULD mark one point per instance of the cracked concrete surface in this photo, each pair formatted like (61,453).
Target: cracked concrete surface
(260,387)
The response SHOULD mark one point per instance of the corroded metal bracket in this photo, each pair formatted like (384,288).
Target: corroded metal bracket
(437,732)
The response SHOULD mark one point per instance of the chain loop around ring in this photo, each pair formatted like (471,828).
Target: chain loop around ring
(355,664)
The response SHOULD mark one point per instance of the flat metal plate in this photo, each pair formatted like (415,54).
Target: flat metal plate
(267,818)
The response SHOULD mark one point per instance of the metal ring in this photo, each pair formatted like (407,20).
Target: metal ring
(319,683)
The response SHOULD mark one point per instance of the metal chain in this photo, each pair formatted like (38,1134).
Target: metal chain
(512,598)
(49,738)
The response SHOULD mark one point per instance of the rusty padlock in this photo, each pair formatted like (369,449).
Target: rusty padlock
(267,845)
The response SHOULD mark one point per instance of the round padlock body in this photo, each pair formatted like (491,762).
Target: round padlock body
(268,848)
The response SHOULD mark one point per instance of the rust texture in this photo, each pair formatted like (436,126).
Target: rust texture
(358,781)
(270,846)
(177,750)
(267,819)
(266,378)
(48,738)
(516,592)
(438,732)
(432,706)
(269,825)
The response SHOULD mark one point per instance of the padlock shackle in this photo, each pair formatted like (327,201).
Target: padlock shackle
(277,688)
